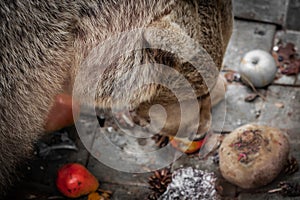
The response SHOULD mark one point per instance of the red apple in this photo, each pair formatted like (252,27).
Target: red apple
(185,145)
(74,180)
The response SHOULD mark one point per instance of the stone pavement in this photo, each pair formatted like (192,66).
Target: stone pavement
(258,24)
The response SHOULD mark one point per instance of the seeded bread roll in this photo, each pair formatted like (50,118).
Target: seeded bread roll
(253,155)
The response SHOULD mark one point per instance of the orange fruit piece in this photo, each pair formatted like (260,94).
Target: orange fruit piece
(95,196)
(185,145)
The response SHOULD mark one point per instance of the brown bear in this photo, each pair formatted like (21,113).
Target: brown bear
(43,43)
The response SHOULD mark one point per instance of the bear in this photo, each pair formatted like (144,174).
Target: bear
(44,45)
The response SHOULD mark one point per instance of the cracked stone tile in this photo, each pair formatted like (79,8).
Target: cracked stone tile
(262,10)
(126,192)
(247,36)
(123,159)
(282,108)
(258,196)
(111,176)
(293,15)
(234,111)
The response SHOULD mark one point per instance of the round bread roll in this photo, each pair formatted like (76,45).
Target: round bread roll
(253,155)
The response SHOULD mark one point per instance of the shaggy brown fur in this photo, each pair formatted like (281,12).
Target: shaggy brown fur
(43,43)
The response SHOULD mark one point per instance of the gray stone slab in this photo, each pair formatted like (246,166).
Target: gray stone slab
(126,192)
(296,154)
(282,108)
(111,176)
(202,160)
(264,196)
(247,36)
(123,157)
(261,10)
(125,151)
(293,15)
(195,162)
(112,147)
(84,139)
(294,138)
(286,37)
(287,80)
(237,111)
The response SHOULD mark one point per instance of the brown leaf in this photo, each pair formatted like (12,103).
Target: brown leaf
(293,68)
(279,105)
(229,76)
(251,97)
(95,196)
(287,60)
(286,52)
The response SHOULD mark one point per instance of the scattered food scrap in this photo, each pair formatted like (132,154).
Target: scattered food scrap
(191,184)
(185,145)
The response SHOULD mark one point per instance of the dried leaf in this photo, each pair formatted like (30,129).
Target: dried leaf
(287,59)
(229,76)
(293,68)
(279,105)
(95,196)
(251,97)
(232,75)
(105,194)
(286,52)
(290,189)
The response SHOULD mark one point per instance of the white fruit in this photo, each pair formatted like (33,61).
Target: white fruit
(258,67)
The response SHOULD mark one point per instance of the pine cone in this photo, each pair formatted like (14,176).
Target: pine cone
(159,182)
(291,166)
